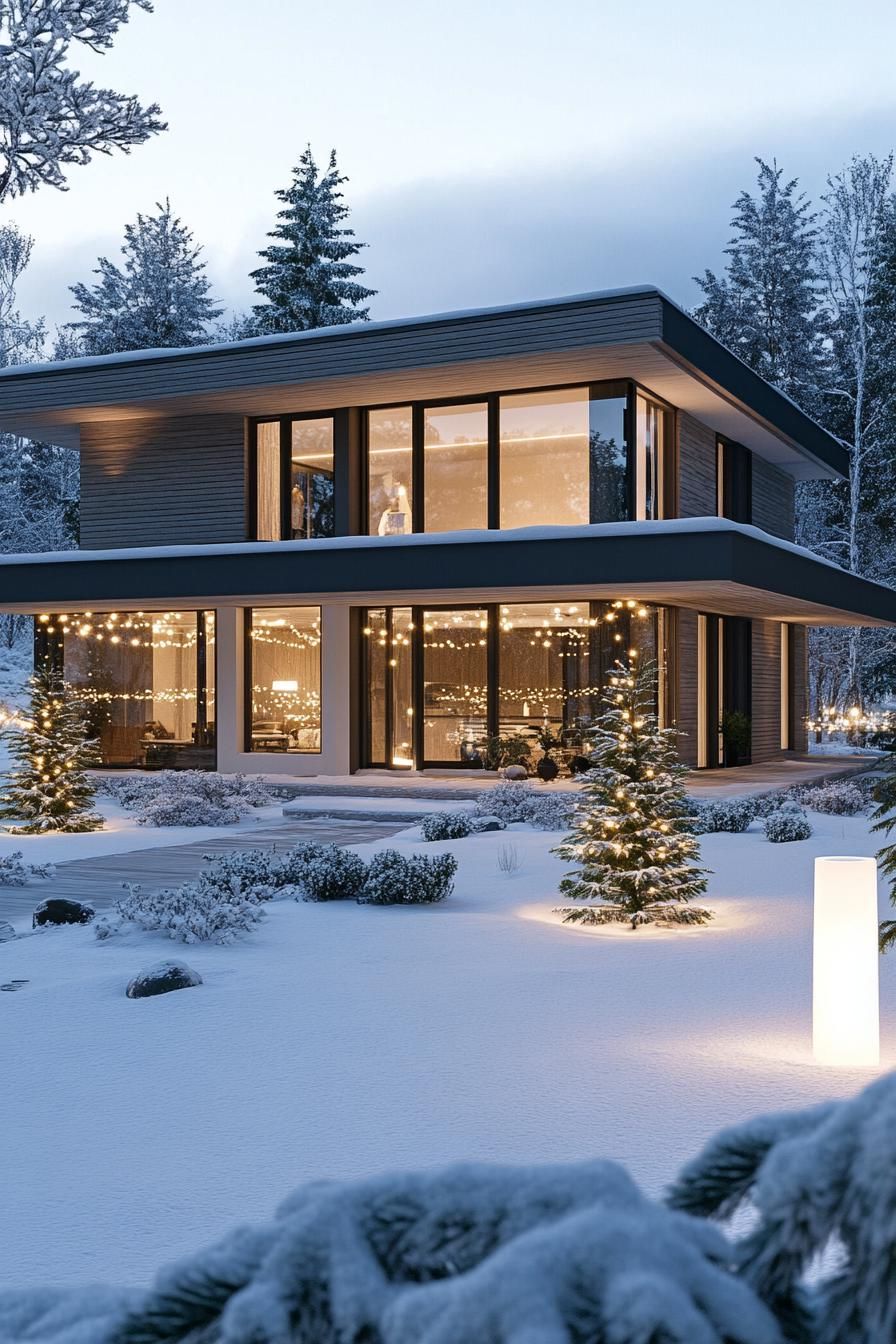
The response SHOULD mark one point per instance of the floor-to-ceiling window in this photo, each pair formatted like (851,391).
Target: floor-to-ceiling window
(390,472)
(455,467)
(146,681)
(283,679)
(440,681)
(293,476)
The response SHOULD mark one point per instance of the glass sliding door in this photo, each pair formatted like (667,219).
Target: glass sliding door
(455,467)
(388,658)
(455,684)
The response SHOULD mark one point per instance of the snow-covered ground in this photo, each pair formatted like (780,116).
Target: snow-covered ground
(341,1040)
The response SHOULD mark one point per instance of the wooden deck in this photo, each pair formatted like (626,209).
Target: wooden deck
(98,881)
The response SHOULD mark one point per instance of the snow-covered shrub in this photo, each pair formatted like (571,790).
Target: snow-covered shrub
(14,872)
(732,815)
(194,912)
(789,823)
(839,799)
(187,797)
(413,879)
(516,800)
(446,826)
(766,803)
(323,872)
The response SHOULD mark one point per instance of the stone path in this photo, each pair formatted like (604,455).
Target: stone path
(99,880)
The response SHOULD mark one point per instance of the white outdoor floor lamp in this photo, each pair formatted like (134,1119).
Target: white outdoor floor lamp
(845,995)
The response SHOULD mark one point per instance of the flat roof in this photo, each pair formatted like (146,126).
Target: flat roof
(713,564)
(636,332)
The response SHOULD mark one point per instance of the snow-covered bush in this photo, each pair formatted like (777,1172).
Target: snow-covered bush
(724,814)
(187,797)
(255,873)
(446,826)
(194,912)
(766,803)
(323,872)
(839,799)
(789,823)
(516,800)
(413,879)
(14,872)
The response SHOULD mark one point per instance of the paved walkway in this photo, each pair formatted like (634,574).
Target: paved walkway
(99,880)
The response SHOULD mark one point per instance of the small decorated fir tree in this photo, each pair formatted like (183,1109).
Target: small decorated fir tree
(632,845)
(47,788)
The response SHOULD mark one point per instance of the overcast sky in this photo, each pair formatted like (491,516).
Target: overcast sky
(495,152)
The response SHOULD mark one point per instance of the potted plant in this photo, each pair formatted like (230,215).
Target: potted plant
(737,736)
(547,768)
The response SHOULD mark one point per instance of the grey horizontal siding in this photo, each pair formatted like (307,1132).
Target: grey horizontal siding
(163,482)
(377,349)
(773,509)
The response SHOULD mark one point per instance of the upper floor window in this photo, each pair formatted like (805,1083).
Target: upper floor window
(734,481)
(561,457)
(293,475)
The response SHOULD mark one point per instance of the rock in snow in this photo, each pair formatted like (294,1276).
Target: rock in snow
(60,911)
(162,978)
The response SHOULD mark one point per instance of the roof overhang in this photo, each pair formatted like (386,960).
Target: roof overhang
(633,333)
(708,565)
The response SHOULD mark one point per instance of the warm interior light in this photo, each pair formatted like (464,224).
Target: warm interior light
(845,997)
(284,685)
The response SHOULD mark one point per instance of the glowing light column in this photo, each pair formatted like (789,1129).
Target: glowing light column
(845,995)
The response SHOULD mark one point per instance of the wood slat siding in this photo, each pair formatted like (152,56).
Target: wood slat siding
(773,506)
(163,482)
(686,662)
(592,322)
(697,469)
(766,690)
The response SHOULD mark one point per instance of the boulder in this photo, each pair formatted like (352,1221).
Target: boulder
(58,910)
(163,978)
(488,824)
(515,772)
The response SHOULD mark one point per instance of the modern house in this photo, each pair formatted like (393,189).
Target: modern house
(378,545)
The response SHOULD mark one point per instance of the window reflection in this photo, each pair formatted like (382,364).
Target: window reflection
(455,467)
(649,466)
(311,479)
(544,458)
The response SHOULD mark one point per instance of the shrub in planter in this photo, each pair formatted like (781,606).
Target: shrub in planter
(324,872)
(790,823)
(446,826)
(838,799)
(415,879)
(497,752)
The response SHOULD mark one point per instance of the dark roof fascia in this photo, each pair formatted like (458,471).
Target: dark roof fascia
(705,354)
(627,559)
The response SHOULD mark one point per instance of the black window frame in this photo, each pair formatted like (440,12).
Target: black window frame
(248,749)
(285,422)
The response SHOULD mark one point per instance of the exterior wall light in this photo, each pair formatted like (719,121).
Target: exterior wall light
(845,994)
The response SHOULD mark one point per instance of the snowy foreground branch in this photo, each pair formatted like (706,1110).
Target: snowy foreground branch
(571,1254)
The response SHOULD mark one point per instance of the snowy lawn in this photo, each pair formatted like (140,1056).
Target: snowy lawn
(344,1040)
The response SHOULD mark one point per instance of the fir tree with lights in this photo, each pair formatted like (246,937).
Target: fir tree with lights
(633,843)
(47,788)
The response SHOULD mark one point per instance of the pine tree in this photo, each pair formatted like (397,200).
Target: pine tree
(309,280)
(765,307)
(48,789)
(632,844)
(159,300)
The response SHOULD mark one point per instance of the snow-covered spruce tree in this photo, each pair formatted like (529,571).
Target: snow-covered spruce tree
(309,279)
(47,788)
(50,117)
(765,306)
(632,841)
(159,299)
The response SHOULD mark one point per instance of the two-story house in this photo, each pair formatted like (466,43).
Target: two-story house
(378,545)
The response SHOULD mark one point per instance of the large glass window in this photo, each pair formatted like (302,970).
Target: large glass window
(146,680)
(284,679)
(544,440)
(608,460)
(390,713)
(455,467)
(650,459)
(311,479)
(389,469)
(455,683)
